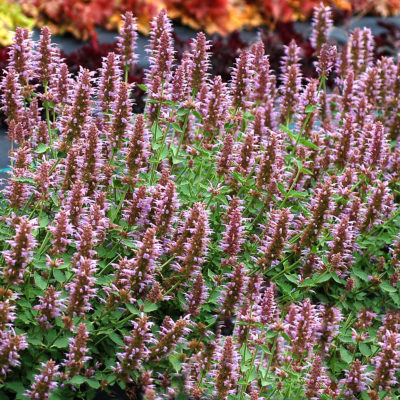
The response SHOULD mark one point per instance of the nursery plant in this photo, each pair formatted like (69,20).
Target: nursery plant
(234,241)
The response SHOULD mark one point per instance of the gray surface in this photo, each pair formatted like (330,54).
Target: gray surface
(5,146)
(69,44)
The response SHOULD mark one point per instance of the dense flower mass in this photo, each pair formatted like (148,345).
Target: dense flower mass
(234,241)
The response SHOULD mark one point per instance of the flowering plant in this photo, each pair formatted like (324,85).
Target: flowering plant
(233,241)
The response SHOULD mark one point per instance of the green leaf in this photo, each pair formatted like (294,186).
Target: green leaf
(43,220)
(177,160)
(360,274)
(182,111)
(54,198)
(365,349)
(308,144)
(387,287)
(93,383)
(197,115)
(285,129)
(129,243)
(132,309)
(40,281)
(61,343)
(245,353)
(116,339)
(164,153)
(292,278)
(48,104)
(24,179)
(346,355)
(301,140)
(177,127)
(59,276)
(77,380)
(36,340)
(306,171)
(42,148)
(299,163)
(294,193)
(157,131)
(175,361)
(149,307)
(322,277)
(306,282)
(142,87)
(310,108)
(282,188)
(15,386)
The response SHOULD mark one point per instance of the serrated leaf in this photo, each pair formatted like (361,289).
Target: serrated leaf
(365,349)
(292,278)
(295,193)
(306,171)
(308,144)
(40,281)
(346,355)
(59,276)
(35,340)
(360,274)
(116,339)
(285,129)
(306,282)
(246,354)
(129,243)
(104,280)
(335,277)
(322,278)
(387,287)
(175,361)
(61,343)
(24,179)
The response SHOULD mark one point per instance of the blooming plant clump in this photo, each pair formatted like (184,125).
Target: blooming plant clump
(234,241)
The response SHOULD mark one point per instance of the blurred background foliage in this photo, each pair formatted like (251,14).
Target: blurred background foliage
(80,17)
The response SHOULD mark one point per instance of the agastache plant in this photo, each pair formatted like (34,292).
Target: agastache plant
(235,240)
